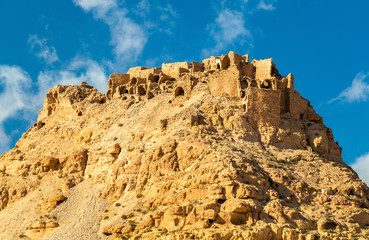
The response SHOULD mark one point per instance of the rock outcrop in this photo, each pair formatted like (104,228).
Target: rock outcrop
(223,149)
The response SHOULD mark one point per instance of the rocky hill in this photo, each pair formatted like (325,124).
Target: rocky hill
(223,149)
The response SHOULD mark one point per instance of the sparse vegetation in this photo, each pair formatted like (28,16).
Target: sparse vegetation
(132,223)
(288,132)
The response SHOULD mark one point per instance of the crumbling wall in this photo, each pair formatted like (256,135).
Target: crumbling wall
(225,82)
(216,63)
(262,106)
(235,59)
(197,67)
(142,72)
(115,80)
(297,105)
(248,70)
(175,69)
(263,68)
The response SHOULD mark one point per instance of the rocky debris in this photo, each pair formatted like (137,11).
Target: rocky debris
(47,205)
(41,228)
(49,163)
(223,149)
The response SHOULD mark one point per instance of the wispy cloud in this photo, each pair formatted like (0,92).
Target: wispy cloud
(99,7)
(361,166)
(229,27)
(168,14)
(5,140)
(42,50)
(267,5)
(357,92)
(22,98)
(128,37)
(78,70)
(15,83)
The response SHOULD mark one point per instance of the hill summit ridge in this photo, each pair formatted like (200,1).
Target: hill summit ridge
(222,149)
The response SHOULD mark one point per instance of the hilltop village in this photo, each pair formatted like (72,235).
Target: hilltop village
(222,149)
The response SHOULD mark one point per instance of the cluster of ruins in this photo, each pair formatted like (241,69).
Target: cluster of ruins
(231,74)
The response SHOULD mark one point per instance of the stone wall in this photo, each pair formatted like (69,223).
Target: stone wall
(263,106)
(175,69)
(263,68)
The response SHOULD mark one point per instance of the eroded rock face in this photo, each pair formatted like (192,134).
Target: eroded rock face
(223,149)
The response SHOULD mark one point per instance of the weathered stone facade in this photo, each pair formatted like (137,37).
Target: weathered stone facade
(229,74)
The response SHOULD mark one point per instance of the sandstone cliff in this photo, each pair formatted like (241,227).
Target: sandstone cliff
(223,149)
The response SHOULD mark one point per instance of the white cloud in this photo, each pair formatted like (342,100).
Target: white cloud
(143,8)
(168,13)
(128,37)
(266,5)
(357,92)
(4,140)
(42,50)
(99,7)
(361,166)
(228,28)
(78,70)
(15,83)
(20,98)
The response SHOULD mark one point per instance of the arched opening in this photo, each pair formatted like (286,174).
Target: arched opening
(49,110)
(109,93)
(244,84)
(218,66)
(253,83)
(141,91)
(122,90)
(266,84)
(179,92)
(131,90)
(243,94)
(154,78)
(133,81)
(150,95)
(226,62)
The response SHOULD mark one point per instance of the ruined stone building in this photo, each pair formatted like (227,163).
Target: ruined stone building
(266,96)
(257,83)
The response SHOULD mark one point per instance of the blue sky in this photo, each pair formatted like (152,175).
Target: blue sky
(323,43)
